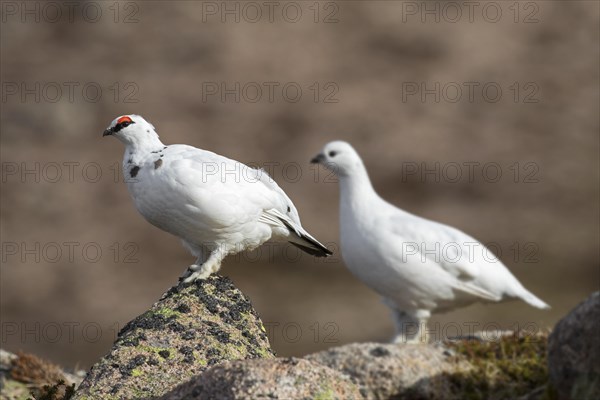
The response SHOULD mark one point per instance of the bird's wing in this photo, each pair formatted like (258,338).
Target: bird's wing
(452,250)
(287,216)
(285,205)
(229,189)
(227,193)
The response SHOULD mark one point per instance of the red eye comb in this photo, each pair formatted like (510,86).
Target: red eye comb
(124,119)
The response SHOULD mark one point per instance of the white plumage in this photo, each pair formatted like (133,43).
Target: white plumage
(418,266)
(216,205)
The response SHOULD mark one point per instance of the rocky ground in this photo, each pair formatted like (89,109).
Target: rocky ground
(205,341)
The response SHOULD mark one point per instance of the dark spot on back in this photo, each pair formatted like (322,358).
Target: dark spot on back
(157,163)
(289,209)
(134,171)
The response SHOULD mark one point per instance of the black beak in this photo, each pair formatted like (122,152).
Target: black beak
(318,159)
(107,132)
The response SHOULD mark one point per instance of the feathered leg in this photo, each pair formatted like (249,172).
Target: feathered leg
(203,269)
(411,327)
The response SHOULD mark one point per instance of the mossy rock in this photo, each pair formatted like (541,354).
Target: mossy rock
(190,329)
(512,366)
(24,376)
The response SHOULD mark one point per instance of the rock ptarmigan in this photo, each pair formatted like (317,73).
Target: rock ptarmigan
(418,266)
(216,205)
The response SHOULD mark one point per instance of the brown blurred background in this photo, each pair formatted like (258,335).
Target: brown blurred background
(360,67)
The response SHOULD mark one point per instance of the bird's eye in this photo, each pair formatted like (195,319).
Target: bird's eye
(332,153)
(124,119)
(122,123)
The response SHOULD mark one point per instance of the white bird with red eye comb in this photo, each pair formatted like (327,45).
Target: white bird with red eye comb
(216,205)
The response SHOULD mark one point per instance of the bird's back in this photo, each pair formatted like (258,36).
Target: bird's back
(423,263)
(197,193)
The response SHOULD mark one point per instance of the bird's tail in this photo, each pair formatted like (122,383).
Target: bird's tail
(533,300)
(298,236)
(305,242)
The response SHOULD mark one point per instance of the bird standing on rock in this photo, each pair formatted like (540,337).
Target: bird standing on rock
(418,266)
(216,205)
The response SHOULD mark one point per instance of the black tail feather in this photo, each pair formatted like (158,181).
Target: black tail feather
(313,252)
(318,250)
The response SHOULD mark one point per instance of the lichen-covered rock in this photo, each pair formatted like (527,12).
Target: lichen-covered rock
(23,375)
(281,378)
(574,352)
(190,329)
(505,366)
(384,371)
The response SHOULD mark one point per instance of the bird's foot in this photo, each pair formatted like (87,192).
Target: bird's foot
(196,276)
(195,273)
(416,339)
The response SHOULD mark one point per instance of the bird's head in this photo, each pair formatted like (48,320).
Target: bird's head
(131,129)
(339,157)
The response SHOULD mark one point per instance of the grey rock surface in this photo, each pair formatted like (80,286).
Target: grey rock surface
(190,329)
(385,371)
(574,352)
(281,378)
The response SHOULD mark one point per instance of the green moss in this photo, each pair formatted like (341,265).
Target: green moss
(264,353)
(156,351)
(327,393)
(210,290)
(228,351)
(137,372)
(17,390)
(199,360)
(507,368)
(166,312)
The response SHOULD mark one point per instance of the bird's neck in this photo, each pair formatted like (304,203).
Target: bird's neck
(356,192)
(135,152)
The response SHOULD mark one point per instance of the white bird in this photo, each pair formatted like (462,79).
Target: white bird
(216,205)
(418,266)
